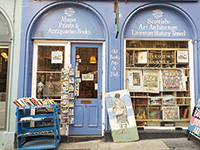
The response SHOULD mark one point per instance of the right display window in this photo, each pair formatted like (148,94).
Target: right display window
(158,78)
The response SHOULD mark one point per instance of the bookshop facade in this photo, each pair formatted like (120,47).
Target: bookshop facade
(154,56)
(159,67)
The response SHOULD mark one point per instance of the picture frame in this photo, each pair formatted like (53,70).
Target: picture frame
(171,113)
(134,80)
(182,56)
(151,81)
(56,57)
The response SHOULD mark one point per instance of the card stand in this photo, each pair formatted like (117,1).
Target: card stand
(68,93)
(29,136)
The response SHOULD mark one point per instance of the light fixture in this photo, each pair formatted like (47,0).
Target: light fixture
(93,60)
(4,55)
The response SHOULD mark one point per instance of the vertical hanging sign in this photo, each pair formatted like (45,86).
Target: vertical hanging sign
(117,22)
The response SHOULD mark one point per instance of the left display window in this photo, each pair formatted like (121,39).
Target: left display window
(50,61)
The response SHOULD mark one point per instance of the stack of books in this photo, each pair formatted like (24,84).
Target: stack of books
(27,101)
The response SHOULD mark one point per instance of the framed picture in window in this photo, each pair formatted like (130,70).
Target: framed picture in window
(134,80)
(151,81)
(182,56)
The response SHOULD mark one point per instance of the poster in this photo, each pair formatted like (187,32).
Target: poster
(121,116)
(151,81)
(134,83)
(194,124)
(173,80)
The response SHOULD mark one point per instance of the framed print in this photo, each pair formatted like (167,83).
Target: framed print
(134,82)
(56,57)
(182,56)
(151,81)
(173,80)
(170,113)
(142,57)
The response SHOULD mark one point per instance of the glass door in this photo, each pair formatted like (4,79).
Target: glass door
(87,58)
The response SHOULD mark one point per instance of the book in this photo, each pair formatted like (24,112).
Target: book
(34,101)
(16,103)
(184,113)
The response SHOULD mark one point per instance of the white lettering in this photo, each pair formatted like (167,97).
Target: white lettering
(158,21)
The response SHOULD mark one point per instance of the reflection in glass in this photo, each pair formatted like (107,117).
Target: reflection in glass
(48,85)
(3,81)
(88,72)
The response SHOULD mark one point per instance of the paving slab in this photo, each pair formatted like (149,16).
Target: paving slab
(100,145)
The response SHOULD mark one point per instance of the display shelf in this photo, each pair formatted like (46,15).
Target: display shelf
(158,71)
(28,132)
(39,144)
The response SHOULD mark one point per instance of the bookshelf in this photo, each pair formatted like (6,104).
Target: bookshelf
(158,78)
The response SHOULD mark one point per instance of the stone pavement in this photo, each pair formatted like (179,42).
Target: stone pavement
(152,144)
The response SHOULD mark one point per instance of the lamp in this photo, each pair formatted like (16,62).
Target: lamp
(4,55)
(93,60)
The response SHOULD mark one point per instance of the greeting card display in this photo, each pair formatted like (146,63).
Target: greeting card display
(67,98)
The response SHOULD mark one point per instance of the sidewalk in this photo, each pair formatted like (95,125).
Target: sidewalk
(154,144)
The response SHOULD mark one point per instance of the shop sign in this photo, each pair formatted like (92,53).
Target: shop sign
(87,77)
(69,22)
(157,23)
(114,58)
(121,116)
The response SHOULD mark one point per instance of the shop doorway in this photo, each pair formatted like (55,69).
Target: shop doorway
(87,58)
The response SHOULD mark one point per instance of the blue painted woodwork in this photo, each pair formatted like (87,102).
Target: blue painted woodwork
(33,13)
(88,121)
(42,140)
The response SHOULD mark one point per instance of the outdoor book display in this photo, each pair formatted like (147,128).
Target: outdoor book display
(121,116)
(38,131)
(194,124)
(158,79)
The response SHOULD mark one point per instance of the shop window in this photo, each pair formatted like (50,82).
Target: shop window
(3,83)
(158,78)
(50,61)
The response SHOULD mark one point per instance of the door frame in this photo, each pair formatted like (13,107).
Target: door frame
(68,49)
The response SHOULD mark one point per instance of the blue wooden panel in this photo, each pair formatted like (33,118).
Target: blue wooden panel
(79,116)
(93,116)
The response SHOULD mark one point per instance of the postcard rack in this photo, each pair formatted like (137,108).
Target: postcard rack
(38,131)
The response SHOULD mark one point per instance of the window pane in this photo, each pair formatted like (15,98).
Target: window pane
(48,85)
(88,71)
(49,65)
(45,61)
(3,79)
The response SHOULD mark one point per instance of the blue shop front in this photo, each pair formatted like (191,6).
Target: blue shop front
(153,53)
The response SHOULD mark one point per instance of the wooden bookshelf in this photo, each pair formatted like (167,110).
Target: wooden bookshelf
(165,57)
